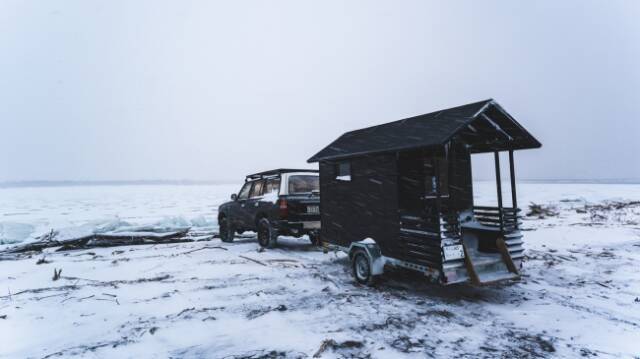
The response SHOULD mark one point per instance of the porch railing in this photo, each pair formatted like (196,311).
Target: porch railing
(505,218)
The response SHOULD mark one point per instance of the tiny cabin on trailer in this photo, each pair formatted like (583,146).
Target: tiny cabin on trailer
(401,194)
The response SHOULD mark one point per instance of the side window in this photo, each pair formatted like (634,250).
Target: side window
(256,190)
(272,185)
(244,192)
(343,171)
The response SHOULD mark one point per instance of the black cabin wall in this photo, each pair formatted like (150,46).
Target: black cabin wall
(366,206)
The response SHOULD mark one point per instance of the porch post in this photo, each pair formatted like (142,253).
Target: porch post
(514,201)
(496,156)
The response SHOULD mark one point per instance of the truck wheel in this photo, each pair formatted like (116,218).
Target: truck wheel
(315,239)
(361,265)
(267,235)
(227,233)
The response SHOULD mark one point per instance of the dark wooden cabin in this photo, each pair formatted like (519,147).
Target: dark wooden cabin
(408,185)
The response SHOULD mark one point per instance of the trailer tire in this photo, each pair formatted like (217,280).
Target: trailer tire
(361,266)
(267,235)
(227,232)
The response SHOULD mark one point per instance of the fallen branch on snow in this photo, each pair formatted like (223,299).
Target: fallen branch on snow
(101,240)
(70,287)
(254,260)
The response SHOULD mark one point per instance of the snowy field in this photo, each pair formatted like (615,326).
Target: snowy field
(579,296)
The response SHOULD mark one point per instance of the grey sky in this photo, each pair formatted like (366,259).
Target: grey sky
(129,90)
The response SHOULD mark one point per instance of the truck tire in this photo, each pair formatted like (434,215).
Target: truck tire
(267,235)
(315,239)
(227,232)
(361,266)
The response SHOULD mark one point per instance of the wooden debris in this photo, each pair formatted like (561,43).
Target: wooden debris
(206,247)
(56,274)
(540,211)
(98,240)
(254,260)
(333,345)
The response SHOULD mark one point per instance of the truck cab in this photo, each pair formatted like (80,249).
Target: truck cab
(274,203)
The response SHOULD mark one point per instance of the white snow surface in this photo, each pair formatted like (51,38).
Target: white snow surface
(579,295)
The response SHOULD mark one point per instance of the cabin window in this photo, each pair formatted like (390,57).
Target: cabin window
(343,171)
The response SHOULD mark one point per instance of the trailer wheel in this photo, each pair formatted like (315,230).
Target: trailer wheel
(361,265)
(267,235)
(227,233)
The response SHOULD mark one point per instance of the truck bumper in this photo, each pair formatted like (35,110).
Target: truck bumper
(298,228)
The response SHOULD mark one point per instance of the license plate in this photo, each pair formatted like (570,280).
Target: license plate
(453,252)
(313,209)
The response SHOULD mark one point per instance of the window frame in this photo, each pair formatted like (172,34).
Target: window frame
(253,195)
(340,165)
(290,177)
(276,180)
(245,185)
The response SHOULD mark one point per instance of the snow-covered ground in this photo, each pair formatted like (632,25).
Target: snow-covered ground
(579,296)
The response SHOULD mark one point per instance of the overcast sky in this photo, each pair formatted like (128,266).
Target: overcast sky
(127,90)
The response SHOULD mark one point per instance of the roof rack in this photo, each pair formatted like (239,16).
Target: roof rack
(277,172)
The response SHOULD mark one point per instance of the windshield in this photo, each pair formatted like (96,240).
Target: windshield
(303,184)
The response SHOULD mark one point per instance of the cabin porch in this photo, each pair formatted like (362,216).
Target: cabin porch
(437,212)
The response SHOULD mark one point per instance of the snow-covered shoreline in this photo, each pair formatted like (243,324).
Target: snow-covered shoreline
(578,295)
(75,211)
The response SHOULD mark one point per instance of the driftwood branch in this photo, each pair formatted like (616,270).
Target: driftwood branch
(100,240)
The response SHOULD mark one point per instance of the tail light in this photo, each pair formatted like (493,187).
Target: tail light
(284,210)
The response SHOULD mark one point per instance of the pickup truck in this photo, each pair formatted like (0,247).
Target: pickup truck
(273,203)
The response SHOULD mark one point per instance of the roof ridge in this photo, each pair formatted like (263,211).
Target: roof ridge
(487,101)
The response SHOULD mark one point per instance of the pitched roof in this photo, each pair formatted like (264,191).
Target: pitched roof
(432,129)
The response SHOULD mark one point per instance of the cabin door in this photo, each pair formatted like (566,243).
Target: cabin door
(419,202)
(423,188)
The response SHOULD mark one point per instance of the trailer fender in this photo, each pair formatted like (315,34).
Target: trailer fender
(372,249)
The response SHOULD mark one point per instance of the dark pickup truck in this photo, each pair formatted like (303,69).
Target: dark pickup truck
(272,203)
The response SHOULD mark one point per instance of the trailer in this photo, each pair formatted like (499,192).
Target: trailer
(401,194)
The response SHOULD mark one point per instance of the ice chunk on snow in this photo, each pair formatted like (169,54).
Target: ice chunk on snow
(12,232)
(109,225)
(202,221)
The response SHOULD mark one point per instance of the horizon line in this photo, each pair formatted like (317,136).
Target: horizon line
(69,183)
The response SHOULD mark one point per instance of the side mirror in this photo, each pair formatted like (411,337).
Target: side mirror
(234,197)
